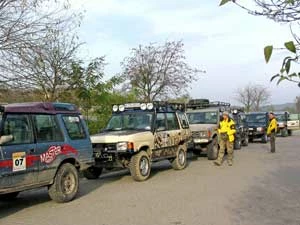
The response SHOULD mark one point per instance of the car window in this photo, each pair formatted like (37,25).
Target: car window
(183,120)
(160,122)
(19,127)
(172,121)
(47,128)
(74,127)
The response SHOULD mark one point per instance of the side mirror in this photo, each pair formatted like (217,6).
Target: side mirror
(5,138)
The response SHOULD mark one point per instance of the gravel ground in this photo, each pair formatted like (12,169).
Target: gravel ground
(261,188)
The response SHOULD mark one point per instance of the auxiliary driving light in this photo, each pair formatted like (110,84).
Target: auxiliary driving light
(121,108)
(150,106)
(115,108)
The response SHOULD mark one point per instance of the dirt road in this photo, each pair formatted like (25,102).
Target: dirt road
(261,188)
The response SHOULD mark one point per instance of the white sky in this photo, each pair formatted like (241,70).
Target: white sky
(225,41)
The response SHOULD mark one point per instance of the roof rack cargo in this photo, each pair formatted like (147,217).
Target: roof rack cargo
(204,103)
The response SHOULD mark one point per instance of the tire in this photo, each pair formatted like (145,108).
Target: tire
(92,172)
(65,185)
(213,150)
(180,161)
(238,144)
(284,132)
(246,141)
(251,140)
(9,196)
(264,139)
(290,133)
(140,166)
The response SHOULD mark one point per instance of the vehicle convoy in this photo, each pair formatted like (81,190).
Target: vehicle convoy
(42,144)
(138,134)
(293,122)
(204,118)
(241,126)
(258,124)
(282,123)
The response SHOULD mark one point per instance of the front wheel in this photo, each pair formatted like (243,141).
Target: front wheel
(140,166)
(246,141)
(213,150)
(237,144)
(65,185)
(180,161)
(92,172)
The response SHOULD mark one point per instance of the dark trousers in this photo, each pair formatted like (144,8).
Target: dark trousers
(272,141)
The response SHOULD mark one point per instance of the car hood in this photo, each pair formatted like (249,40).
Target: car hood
(256,125)
(203,127)
(119,136)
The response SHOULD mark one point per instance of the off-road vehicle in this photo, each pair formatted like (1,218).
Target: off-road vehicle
(42,144)
(282,123)
(242,130)
(258,125)
(138,134)
(204,118)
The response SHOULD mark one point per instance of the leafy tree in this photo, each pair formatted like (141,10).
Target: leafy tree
(286,11)
(156,71)
(252,96)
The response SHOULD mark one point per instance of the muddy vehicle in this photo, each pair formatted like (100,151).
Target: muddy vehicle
(282,123)
(139,134)
(204,118)
(242,130)
(258,125)
(293,123)
(42,144)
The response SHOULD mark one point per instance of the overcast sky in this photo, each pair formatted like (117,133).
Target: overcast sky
(225,41)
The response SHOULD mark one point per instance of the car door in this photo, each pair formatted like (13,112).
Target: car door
(49,139)
(19,159)
(175,134)
(160,135)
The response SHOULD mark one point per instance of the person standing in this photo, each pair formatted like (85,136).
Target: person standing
(272,130)
(226,138)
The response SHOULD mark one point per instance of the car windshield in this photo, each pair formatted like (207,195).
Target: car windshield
(130,121)
(256,118)
(294,117)
(280,117)
(203,117)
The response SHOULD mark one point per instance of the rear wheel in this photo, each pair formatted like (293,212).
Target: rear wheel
(180,161)
(213,150)
(65,186)
(290,132)
(92,172)
(140,166)
(284,132)
(9,196)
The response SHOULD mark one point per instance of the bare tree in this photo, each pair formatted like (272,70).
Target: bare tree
(252,96)
(158,71)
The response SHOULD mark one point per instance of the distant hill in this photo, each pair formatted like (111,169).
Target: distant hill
(280,107)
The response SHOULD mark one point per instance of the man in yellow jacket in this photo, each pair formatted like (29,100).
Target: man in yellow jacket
(226,138)
(272,130)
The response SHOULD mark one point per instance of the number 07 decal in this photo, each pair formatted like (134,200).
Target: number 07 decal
(19,161)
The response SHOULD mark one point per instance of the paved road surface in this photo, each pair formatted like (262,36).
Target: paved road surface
(260,189)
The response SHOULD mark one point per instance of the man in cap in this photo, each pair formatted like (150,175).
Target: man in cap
(226,138)
(272,130)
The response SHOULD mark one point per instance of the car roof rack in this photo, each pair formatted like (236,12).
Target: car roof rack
(204,103)
(237,109)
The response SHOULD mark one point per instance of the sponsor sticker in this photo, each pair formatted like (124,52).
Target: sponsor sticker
(19,161)
(50,155)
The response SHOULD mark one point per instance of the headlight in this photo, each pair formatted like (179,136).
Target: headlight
(203,134)
(122,146)
(260,129)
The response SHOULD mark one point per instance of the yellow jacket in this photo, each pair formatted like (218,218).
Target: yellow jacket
(272,126)
(227,126)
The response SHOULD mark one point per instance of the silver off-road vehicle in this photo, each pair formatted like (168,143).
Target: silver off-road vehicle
(138,134)
(204,118)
